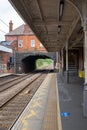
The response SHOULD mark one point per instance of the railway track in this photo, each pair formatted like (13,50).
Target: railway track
(12,106)
(11,82)
(7,77)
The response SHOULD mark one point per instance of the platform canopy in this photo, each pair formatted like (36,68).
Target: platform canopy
(54,22)
(5,49)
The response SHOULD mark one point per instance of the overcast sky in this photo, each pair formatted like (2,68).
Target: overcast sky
(7,13)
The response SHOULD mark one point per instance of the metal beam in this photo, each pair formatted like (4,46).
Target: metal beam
(53,42)
(41,13)
(77,41)
(50,23)
(53,35)
(74,23)
(54,48)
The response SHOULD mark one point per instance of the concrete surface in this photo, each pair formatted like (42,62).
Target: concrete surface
(71,103)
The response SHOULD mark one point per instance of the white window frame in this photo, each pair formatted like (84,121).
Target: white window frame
(32,43)
(41,45)
(20,43)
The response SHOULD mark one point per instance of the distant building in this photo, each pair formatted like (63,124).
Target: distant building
(22,39)
(5,57)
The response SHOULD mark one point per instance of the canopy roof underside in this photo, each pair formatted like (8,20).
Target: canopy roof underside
(54,22)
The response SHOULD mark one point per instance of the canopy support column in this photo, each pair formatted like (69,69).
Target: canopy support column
(67,70)
(85,69)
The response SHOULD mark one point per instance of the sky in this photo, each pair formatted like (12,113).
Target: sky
(7,13)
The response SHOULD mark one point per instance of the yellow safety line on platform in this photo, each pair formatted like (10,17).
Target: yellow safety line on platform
(32,116)
(58,107)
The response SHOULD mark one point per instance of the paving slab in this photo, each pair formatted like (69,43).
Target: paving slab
(71,103)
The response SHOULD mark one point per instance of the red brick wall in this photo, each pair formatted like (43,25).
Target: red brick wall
(26,43)
(4,57)
(10,38)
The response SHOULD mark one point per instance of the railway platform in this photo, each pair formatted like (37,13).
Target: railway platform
(71,103)
(42,113)
(55,106)
(5,74)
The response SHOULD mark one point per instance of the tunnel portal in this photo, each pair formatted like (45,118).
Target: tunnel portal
(29,62)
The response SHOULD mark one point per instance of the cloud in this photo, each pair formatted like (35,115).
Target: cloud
(4,6)
(7,13)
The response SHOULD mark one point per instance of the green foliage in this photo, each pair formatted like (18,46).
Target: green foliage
(42,63)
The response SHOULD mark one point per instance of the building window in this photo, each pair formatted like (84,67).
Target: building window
(41,45)
(20,43)
(32,43)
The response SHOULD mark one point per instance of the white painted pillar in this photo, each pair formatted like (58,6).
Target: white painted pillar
(57,59)
(67,70)
(85,54)
(62,62)
(85,70)
(57,56)
(84,24)
(59,63)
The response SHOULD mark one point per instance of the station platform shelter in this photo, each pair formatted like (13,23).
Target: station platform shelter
(61,26)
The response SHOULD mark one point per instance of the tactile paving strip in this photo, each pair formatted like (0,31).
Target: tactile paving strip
(50,119)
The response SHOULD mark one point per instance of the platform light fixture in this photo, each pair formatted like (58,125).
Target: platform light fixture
(59,29)
(61,7)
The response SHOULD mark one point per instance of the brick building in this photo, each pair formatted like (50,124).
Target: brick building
(23,39)
(5,54)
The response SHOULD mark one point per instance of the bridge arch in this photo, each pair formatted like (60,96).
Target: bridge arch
(29,62)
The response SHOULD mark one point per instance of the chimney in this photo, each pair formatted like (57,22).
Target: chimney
(10,26)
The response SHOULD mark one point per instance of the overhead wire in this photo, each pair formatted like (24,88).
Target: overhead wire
(2,31)
(3,22)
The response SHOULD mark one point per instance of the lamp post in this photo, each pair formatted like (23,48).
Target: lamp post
(14,59)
